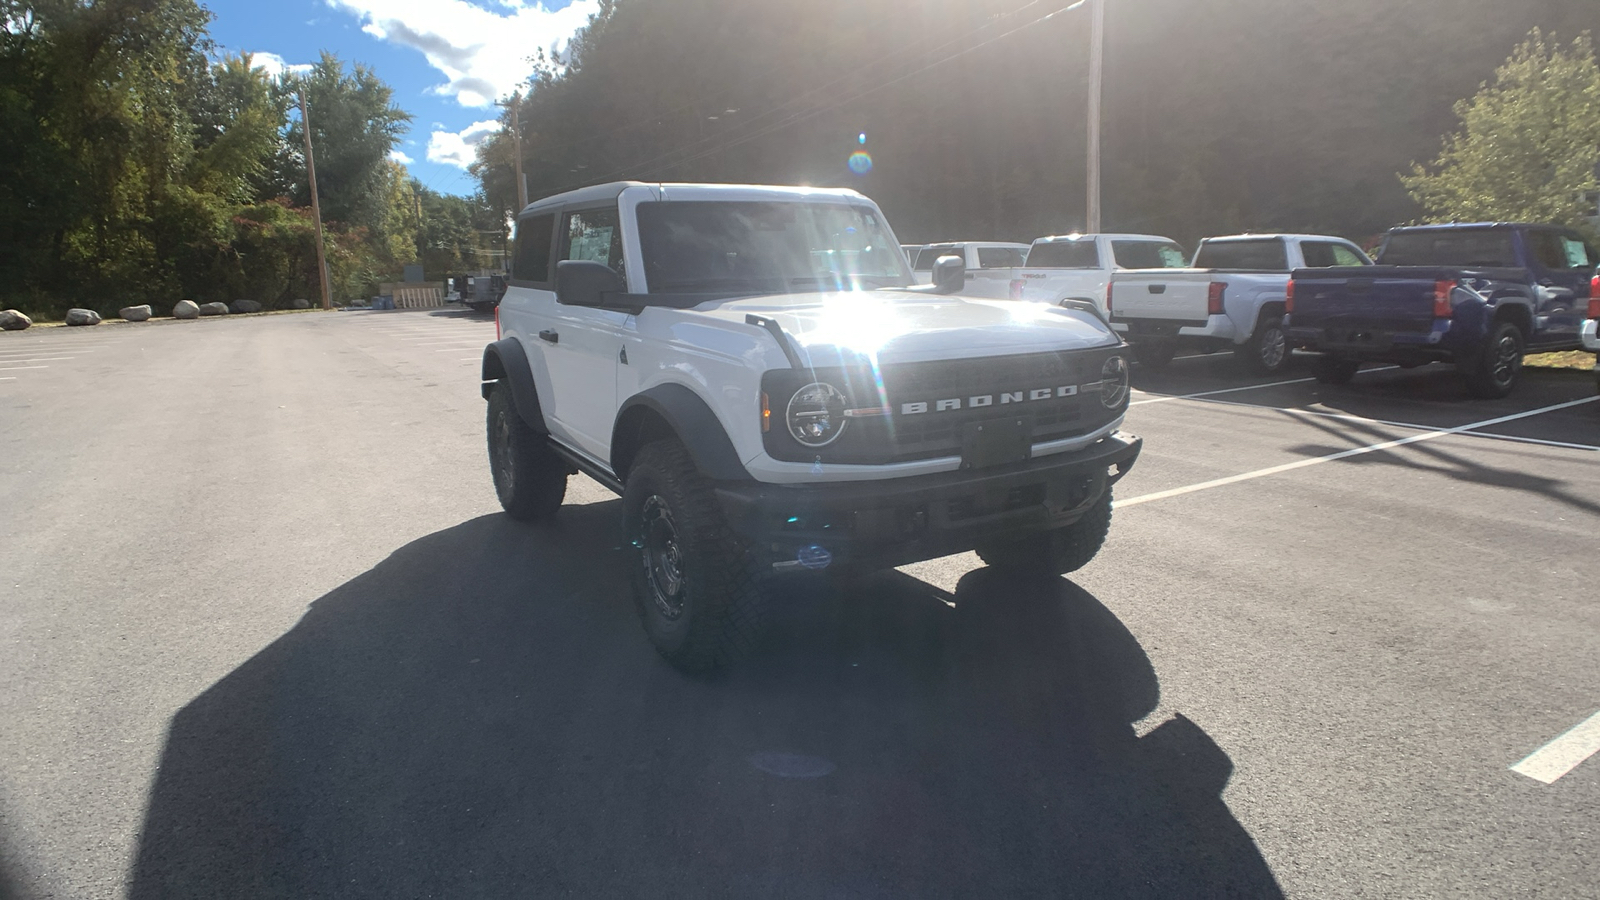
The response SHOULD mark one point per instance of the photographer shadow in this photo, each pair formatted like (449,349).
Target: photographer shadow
(479,715)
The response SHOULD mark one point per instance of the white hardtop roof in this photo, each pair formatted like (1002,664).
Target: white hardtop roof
(676,191)
(976,244)
(1275,235)
(1071,238)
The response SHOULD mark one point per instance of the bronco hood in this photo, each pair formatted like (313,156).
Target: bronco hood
(902,326)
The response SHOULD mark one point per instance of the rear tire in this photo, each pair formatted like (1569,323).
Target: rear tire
(1498,368)
(1054,552)
(699,594)
(529,478)
(1335,369)
(1155,355)
(1267,351)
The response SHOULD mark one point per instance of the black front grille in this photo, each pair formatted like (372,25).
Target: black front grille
(933,404)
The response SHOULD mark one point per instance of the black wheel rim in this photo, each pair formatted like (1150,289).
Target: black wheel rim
(502,452)
(662,557)
(1273,347)
(1507,357)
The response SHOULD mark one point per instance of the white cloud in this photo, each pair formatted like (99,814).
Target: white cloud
(483,54)
(459,148)
(400,158)
(274,65)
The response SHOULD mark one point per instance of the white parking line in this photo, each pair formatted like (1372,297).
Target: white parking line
(1248,387)
(40,359)
(1364,420)
(20,368)
(1563,754)
(1346,454)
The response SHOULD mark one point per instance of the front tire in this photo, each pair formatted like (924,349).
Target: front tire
(529,478)
(1335,369)
(1155,355)
(1498,368)
(1054,552)
(1267,351)
(699,595)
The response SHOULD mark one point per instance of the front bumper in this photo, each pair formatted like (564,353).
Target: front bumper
(878,524)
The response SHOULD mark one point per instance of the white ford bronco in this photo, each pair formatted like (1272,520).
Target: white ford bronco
(756,372)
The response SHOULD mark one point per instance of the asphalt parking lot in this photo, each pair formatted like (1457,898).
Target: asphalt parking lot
(264,632)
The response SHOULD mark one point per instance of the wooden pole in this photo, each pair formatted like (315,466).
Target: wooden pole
(316,205)
(516,140)
(1097,40)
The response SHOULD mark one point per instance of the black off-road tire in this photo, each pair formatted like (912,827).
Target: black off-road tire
(1155,354)
(700,596)
(1054,552)
(1267,352)
(1498,368)
(529,478)
(1335,369)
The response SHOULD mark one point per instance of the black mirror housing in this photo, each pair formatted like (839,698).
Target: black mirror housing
(949,274)
(581,282)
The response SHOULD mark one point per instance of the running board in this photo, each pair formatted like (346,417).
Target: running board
(587,467)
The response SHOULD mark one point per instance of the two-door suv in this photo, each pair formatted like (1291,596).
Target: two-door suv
(756,372)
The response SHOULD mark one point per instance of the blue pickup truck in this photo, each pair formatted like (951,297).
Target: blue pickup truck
(1476,295)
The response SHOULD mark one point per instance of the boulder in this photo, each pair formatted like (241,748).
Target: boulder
(82,317)
(245,306)
(186,309)
(14,320)
(136,313)
(214,309)
(302,303)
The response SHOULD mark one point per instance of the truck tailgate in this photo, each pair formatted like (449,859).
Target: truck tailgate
(1177,295)
(1367,299)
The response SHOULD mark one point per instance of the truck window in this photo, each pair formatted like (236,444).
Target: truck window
(1064,255)
(1267,254)
(1558,251)
(930,255)
(594,235)
(531,259)
(1000,257)
(1327,254)
(1470,247)
(765,246)
(1148,255)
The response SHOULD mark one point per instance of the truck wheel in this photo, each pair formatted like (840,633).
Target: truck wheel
(1335,369)
(699,595)
(1054,552)
(1267,351)
(1155,355)
(529,478)
(1499,366)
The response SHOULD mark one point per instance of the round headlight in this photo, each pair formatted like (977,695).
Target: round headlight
(816,414)
(1114,382)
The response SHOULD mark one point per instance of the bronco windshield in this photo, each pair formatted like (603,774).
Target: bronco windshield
(766,247)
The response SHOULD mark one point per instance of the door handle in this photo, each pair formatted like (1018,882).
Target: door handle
(550,336)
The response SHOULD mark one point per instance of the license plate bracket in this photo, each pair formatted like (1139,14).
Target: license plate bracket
(997,442)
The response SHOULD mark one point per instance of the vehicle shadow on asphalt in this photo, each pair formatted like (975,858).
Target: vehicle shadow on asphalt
(480,716)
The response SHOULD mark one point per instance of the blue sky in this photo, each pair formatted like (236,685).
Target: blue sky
(447,60)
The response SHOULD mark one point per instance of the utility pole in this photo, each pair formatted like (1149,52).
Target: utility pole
(316,204)
(516,141)
(1097,41)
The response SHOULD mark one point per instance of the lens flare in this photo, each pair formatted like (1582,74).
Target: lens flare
(862,138)
(861,162)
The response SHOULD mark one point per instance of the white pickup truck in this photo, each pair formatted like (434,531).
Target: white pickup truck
(1075,267)
(1233,297)
(978,256)
(753,370)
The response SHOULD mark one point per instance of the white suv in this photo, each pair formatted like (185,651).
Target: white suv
(754,371)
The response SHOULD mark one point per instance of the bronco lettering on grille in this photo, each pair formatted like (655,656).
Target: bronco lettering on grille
(954,403)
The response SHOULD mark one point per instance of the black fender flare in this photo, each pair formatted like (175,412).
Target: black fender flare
(691,421)
(505,360)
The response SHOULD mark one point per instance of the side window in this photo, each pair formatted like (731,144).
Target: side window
(1318,254)
(1344,256)
(1578,253)
(531,261)
(593,235)
(1546,248)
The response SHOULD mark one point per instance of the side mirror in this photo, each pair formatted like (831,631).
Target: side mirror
(581,282)
(949,274)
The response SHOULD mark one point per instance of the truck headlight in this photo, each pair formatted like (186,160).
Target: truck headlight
(1114,382)
(816,414)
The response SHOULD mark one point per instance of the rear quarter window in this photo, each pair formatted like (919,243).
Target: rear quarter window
(531,259)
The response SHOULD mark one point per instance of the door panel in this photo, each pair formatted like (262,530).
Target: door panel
(583,343)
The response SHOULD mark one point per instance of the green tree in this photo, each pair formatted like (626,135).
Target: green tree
(1528,146)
